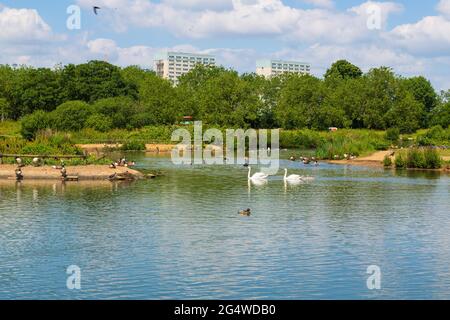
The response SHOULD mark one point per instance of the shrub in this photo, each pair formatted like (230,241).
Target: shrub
(432,159)
(99,122)
(38,148)
(133,145)
(441,115)
(392,135)
(71,116)
(11,144)
(140,120)
(34,122)
(118,109)
(387,161)
(400,161)
(415,159)
(436,136)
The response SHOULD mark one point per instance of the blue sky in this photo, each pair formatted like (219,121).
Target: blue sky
(413,36)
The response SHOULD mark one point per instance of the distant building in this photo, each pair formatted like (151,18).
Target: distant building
(270,68)
(172,65)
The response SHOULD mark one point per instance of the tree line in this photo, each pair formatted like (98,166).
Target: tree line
(102,96)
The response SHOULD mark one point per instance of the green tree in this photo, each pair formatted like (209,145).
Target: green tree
(31,124)
(347,96)
(227,100)
(423,92)
(218,96)
(158,101)
(191,85)
(136,76)
(34,89)
(441,114)
(381,92)
(5,110)
(71,116)
(344,70)
(300,98)
(405,114)
(118,109)
(268,92)
(95,80)
(99,122)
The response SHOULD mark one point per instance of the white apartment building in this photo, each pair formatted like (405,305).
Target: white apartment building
(172,65)
(271,68)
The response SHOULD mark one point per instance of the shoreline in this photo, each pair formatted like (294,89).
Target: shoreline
(85,172)
(375,160)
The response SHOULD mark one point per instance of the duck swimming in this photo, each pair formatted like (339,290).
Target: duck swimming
(246,212)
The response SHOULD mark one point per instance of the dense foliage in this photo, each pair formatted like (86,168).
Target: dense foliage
(97,95)
(415,158)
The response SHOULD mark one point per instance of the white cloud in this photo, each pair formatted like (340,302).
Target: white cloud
(321,3)
(428,36)
(385,8)
(444,7)
(320,35)
(23,25)
(247,18)
(201,4)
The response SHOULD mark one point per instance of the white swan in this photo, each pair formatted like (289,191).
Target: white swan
(257,176)
(257,183)
(293,178)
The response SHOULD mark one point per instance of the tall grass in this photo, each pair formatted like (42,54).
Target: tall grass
(153,134)
(387,161)
(436,136)
(419,158)
(9,128)
(330,145)
(133,145)
(46,143)
(351,142)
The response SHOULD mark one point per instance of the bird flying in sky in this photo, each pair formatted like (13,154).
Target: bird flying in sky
(96,10)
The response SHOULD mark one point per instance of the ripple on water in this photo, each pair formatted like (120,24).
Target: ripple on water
(180,236)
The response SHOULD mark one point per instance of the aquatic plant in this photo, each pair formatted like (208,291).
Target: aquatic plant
(415,159)
(387,161)
(400,160)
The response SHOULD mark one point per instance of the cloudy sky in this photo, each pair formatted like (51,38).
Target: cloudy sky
(413,36)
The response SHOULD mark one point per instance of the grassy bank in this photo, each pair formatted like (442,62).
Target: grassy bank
(326,145)
(416,158)
(46,143)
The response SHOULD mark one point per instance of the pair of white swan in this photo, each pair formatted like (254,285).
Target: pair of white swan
(293,178)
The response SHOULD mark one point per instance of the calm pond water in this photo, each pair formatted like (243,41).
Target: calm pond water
(180,237)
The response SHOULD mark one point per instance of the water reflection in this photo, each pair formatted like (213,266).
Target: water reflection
(179,236)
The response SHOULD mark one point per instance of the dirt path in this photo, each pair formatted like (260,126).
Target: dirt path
(90,172)
(373,160)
